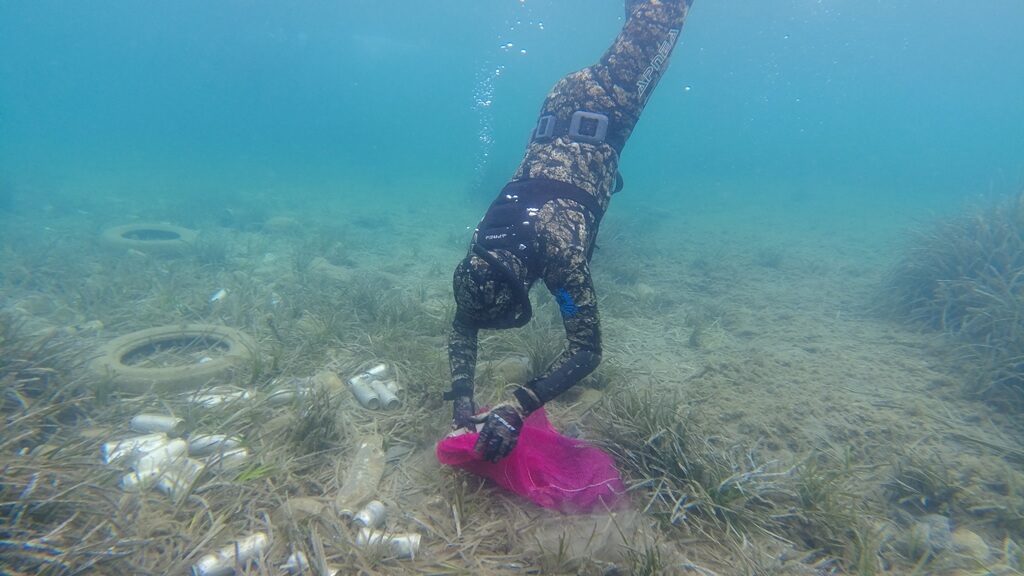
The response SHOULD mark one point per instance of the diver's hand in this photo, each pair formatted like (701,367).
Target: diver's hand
(463,413)
(500,433)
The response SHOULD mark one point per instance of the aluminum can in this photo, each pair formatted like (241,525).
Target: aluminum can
(113,451)
(169,425)
(364,393)
(223,561)
(212,443)
(227,460)
(140,481)
(363,388)
(388,400)
(402,545)
(297,563)
(372,515)
(163,457)
(177,482)
(292,389)
(378,371)
(219,395)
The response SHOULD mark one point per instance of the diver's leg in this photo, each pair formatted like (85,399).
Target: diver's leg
(618,87)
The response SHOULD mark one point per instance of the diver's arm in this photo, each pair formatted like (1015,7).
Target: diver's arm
(573,289)
(462,350)
(503,424)
(572,366)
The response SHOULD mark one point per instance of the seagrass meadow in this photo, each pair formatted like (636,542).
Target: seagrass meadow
(216,216)
(767,418)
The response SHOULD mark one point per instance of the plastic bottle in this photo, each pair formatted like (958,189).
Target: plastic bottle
(361,477)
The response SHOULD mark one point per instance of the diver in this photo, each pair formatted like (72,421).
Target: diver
(543,224)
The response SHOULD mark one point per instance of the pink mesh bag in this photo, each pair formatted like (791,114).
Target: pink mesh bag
(554,471)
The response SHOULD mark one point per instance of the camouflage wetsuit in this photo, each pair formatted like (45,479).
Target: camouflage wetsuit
(544,223)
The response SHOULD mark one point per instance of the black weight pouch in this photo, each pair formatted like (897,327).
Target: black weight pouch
(510,225)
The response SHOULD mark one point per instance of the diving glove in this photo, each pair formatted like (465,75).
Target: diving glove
(502,426)
(463,413)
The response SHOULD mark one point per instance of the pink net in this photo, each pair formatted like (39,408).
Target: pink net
(552,470)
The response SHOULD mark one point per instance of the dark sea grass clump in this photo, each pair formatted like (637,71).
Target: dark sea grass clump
(55,515)
(965,276)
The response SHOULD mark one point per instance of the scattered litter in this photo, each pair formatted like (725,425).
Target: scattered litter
(298,564)
(291,389)
(169,425)
(205,444)
(162,457)
(363,474)
(372,515)
(404,545)
(131,447)
(177,481)
(388,400)
(374,390)
(239,553)
(219,395)
(228,460)
(218,295)
(160,462)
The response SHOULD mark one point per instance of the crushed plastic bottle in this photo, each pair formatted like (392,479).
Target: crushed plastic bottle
(361,477)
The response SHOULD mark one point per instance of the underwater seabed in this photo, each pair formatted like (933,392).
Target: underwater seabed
(766,418)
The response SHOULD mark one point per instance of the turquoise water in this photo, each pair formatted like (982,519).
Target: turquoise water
(916,102)
(789,145)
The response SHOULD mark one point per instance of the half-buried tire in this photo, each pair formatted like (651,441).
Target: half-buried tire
(150,238)
(174,358)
